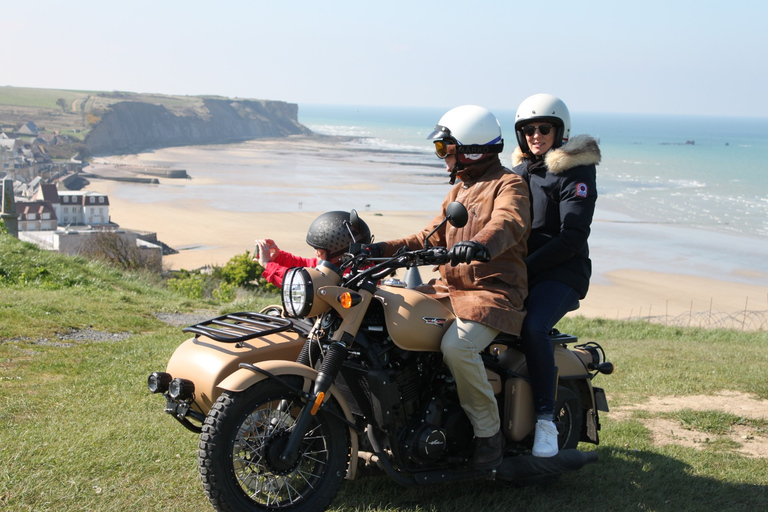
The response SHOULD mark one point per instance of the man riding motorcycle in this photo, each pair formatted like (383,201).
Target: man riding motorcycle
(487,294)
(286,409)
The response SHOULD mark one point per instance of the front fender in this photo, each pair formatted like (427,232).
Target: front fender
(243,379)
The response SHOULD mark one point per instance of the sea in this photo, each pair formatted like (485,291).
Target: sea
(700,172)
(676,194)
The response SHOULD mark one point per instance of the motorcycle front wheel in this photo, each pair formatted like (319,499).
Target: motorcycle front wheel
(242,439)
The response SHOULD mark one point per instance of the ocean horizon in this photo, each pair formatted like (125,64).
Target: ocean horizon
(699,172)
(665,205)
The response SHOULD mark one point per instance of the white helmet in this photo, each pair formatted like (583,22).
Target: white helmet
(474,130)
(543,107)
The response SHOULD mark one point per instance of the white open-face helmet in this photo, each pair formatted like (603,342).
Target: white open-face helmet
(474,130)
(543,108)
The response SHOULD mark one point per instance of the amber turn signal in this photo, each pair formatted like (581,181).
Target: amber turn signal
(349,299)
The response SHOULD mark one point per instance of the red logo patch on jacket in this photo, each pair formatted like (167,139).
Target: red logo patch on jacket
(582,189)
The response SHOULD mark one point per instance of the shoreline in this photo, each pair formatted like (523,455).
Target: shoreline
(640,269)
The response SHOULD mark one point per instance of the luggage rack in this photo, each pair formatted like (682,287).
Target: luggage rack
(237,327)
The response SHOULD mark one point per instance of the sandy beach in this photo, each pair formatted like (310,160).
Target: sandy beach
(640,270)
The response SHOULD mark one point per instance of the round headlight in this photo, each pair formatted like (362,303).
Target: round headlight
(158,382)
(181,389)
(298,292)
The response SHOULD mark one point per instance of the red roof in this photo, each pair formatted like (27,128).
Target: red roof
(36,207)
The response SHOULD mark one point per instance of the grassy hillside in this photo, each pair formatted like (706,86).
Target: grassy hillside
(79,431)
(68,111)
(124,122)
(40,98)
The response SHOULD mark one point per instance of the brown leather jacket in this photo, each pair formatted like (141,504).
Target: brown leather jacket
(491,293)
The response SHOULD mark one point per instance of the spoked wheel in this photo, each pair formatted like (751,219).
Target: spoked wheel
(240,447)
(568,415)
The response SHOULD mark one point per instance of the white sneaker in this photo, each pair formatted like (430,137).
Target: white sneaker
(545,440)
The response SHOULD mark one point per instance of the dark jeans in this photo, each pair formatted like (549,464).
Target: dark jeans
(547,303)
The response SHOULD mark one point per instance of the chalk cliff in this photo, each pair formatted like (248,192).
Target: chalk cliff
(132,126)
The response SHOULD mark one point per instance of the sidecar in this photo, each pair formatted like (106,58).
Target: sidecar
(218,347)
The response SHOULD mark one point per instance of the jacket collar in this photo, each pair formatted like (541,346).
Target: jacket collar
(472,173)
(579,150)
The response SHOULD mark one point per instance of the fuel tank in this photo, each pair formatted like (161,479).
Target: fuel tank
(414,320)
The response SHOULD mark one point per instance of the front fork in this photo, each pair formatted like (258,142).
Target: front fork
(334,358)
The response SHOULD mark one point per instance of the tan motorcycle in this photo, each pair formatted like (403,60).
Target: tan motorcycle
(351,373)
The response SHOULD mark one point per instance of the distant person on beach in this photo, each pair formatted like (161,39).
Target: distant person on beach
(330,234)
(487,293)
(561,176)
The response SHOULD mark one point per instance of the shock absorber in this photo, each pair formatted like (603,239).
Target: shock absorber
(334,358)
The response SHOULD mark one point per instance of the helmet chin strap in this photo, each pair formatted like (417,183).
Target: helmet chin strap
(456,169)
(460,166)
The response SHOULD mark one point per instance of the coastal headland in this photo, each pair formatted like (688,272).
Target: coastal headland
(274,188)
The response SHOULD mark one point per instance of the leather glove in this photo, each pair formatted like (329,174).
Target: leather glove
(372,250)
(468,251)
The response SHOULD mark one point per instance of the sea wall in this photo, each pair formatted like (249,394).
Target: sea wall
(131,126)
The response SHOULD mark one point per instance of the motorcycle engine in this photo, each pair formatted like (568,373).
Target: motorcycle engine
(429,443)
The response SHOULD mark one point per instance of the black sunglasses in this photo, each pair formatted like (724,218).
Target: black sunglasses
(544,129)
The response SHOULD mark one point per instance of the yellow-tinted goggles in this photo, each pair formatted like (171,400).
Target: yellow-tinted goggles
(441,148)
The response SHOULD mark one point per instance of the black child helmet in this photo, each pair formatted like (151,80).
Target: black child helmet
(334,231)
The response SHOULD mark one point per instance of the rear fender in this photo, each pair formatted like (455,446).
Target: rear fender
(590,422)
(243,379)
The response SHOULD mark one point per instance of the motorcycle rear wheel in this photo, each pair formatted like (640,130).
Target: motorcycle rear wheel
(239,446)
(568,415)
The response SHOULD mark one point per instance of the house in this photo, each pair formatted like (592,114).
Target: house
(81,208)
(6,153)
(7,143)
(47,192)
(29,128)
(36,216)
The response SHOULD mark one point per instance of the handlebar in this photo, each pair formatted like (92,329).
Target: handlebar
(384,266)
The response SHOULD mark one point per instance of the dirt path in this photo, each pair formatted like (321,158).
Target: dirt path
(664,431)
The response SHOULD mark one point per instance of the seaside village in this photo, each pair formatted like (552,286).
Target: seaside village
(43,203)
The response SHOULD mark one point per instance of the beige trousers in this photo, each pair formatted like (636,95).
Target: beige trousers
(461,347)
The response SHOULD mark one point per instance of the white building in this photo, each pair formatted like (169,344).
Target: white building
(81,242)
(83,208)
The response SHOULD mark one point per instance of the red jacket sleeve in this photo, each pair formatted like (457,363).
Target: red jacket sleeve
(276,268)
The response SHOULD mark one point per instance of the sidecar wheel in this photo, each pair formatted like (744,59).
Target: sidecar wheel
(239,446)
(568,416)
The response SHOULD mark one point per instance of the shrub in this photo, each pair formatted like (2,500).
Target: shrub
(189,285)
(241,270)
(226,292)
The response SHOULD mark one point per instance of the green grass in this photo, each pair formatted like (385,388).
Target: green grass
(39,98)
(46,98)
(80,432)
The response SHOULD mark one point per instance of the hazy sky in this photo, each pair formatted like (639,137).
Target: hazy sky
(673,56)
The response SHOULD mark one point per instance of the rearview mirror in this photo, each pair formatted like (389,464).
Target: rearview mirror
(457,214)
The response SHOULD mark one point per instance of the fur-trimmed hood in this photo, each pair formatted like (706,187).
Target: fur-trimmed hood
(579,150)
